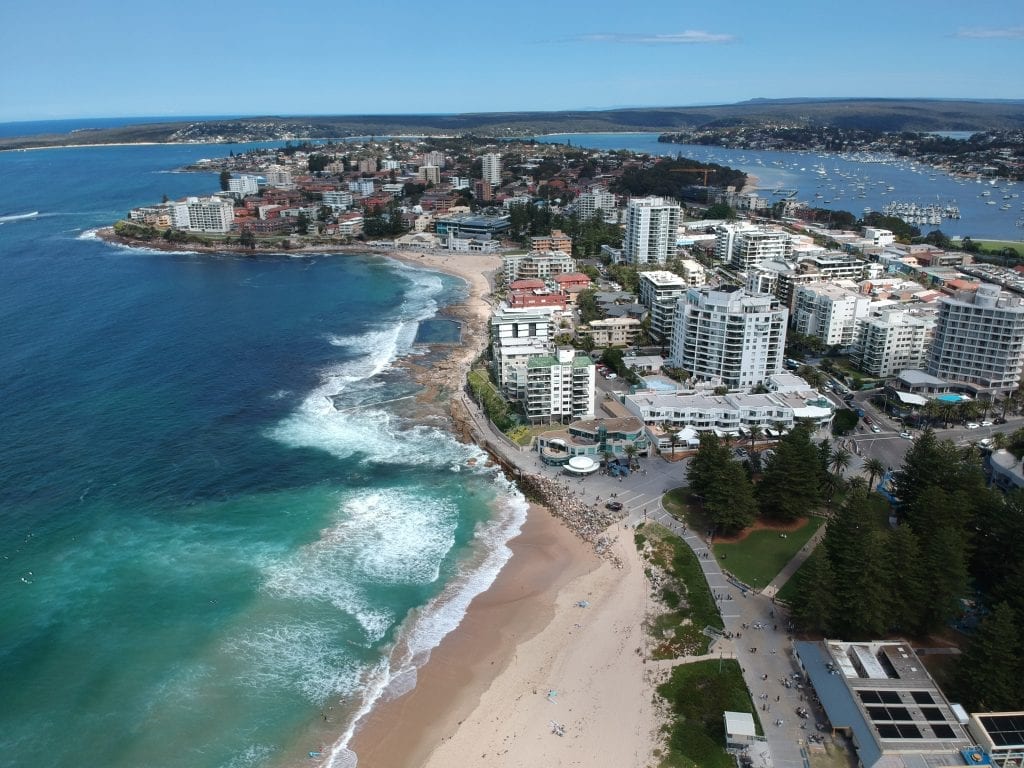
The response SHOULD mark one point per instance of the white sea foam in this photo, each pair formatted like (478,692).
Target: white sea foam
(18,216)
(90,234)
(437,619)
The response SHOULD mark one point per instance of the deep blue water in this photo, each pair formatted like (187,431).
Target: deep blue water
(210,534)
(847,184)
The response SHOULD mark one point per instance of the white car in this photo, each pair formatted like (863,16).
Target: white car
(972,425)
(875,428)
(906,435)
(986,423)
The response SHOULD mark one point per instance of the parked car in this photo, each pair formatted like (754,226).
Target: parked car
(972,425)
(986,423)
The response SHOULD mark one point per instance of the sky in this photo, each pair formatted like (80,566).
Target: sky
(110,58)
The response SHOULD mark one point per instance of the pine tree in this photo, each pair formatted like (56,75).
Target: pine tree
(908,586)
(990,669)
(791,485)
(814,604)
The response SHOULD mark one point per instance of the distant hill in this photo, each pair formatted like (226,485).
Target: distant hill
(869,114)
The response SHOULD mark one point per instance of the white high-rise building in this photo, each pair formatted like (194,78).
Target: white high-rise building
(753,246)
(559,387)
(491,168)
(979,341)
(829,312)
(279,177)
(590,202)
(516,336)
(204,214)
(659,292)
(729,336)
(244,185)
(652,229)
(892,339)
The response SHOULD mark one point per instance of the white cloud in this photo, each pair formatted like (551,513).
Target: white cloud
(689,37)
(989,33)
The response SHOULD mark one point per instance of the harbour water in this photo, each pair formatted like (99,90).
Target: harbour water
(849,183)
(215,550)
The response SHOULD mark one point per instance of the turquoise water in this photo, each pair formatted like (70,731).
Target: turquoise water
(948,398)
(211,536)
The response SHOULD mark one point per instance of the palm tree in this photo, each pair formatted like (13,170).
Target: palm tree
(755,432)
(839,461)
(630,451)
(1000,440)
(875,469)
(673,438)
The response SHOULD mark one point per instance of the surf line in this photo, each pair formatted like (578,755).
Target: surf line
(368,405)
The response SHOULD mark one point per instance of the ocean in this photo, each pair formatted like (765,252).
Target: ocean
(224,532)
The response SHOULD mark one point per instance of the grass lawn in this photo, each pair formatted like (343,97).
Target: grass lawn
(761,554)
(676,503)
(698,694)
(998,245)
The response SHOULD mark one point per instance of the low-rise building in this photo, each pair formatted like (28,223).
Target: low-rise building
(1000,735)
(538,264)
(594,438)
(556,241)
(612,331)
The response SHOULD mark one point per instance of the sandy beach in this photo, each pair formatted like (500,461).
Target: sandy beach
(526,656)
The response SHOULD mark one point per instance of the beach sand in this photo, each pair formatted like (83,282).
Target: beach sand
(484,697)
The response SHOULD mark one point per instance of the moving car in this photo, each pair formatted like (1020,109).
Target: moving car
(986,423)
(614,506)
(906,435)
(875,428)
(972,425)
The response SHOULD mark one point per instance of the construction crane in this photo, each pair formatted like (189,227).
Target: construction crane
(705,171)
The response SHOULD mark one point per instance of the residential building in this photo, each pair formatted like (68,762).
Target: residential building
(556,241)
(725,239)
(879,237)
(730,414)
(596,199)
(362,187)
(652,228)
(244,185)
(429,174)
(543,265)
(491,169)
(517,335)
(834,265)
(729,336)
(278,177)
(979,341)
(692,272)
(433,157)
(204,214)
(753,246)
(559,387)
(829,312)
(659,291)
(891,339)
(338,200)
(612,331)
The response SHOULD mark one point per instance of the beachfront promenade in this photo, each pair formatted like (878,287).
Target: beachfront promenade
(760,639)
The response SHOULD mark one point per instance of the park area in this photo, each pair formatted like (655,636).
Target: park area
(757,555)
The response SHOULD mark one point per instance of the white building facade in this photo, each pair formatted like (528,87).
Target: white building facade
(731,337)
(753,246)
(652,228)
(589,203)
(979,341)
(204,214)
(659,291)
(491,168)
(892,339)
(559,387)
(829,312)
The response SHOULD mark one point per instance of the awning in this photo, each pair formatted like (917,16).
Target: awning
(908,398)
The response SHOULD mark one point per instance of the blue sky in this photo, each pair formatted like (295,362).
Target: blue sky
(68,58)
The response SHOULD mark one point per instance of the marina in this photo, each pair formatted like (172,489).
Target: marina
(856,182)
